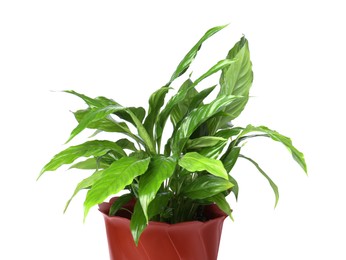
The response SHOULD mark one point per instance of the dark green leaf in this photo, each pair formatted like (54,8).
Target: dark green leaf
(126,144)
(222,203)
(272,184)
(230,158)
(139,112)
(156,101)
(205,186)
(158,204)
(114,179)
(204,141)
(92,148)
(85,184)
(195,119)
(190,56)
(119,203)
(194,162)
(138,222)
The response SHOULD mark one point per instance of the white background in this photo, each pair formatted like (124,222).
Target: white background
(127,49)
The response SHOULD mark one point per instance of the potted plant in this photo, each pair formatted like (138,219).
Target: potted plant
(174,202)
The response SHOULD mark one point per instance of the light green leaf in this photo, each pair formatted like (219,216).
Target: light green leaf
(199,97)
(156,101)
(126,144)
(114,179)
(138,222)
(272,184)
(84,184)
(160,169)
(205,186)
(190,56)
(92,148)
(296,154)
(195,119)
(90,164)
(194,162)
(119,203)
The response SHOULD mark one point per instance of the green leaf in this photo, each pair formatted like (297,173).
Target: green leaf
(296,154)
(139,112)
(159,204)
(91,102)
(205,186)
(199,97)
(194,162)
(160,169)
(92,148)
(230,158)
(190,56)
(222,203)
(213,151)
(84,184)
(114,179)
(138,222)
(119,203)
(195,119)
(228,133)
(90,164)
(204,141)
(162,118)
(126,144)
(272,184)
(93,116)
(156,101)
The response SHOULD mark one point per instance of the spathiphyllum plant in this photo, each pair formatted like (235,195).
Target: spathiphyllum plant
(170,180)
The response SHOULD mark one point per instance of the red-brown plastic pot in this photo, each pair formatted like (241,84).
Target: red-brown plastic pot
(193,240)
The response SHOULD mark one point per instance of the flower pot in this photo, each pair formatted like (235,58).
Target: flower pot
(193,240)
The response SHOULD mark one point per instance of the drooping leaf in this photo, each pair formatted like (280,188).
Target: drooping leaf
(272,184)
(222,203)
(190,56)
(84,184)
(114,179)
(90,164)
(91,148)
(296,154)
(160,169)
(138,222)
(119,203)
(156,101)
(195,119)
(194,162)
(205,186)
(230,158)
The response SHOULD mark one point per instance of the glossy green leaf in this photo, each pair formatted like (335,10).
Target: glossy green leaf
(139,112)
(84,184)
(119,203)
(92,148)
(115,178)
(195,119)
(213,151)
(90,164)
(205,186)
(296,154)
(194,162)
(93,116)
(138,222)
(156,101)
(204,141)
(190,56)
(230,158)
(272,184)
(199,97)
(229,132)
(91,102)
(160,169)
